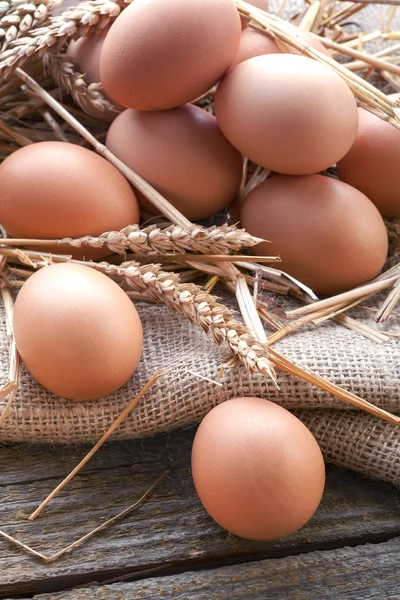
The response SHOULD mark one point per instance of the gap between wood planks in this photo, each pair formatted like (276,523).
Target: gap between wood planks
(70,582)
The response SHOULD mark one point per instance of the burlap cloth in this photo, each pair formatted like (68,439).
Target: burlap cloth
(347,436)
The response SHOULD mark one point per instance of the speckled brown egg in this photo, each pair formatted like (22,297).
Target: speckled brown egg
(161,54)
(77,332)
(372,163)
(287,113)
(328,234)
(257,469)
(52,190)
(183,154)
(86,54)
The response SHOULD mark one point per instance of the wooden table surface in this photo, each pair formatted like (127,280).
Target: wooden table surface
(170,548)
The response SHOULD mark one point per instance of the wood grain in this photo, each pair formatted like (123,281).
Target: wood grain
(369,572)
(171,529)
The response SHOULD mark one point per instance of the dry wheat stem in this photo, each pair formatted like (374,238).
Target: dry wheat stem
(27,549)
(331,312)
(120,515)
(14,135)
(128,409)
(363,329)
(50,120)
(11,387)
(281,362)
(362,64)
(152,239)
(200,258)
(389,304)
(360,292)
(370,60)
(80,541)
(295,286)
(202,308)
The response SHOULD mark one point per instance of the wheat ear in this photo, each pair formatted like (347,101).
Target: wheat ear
(21,18)
(89,96)
(88,17)
(153,239)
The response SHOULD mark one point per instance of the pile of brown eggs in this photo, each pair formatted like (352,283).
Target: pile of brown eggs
(257,469)
(287,113)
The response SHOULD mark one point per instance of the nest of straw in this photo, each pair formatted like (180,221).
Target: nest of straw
(43,97)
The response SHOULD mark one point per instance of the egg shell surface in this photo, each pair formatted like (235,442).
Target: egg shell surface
(287,113)
(372,163)
(77,332)
(183,154)
(160,54)
(328,234)
(52,190)
(257,469)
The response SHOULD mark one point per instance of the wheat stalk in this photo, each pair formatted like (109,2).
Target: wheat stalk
(153,239)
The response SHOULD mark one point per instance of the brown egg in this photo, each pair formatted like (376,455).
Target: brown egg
(287,113)
(77,332)
(86,54)
(328,234)
(257,469)
(372,164)
(255,43)
(54,190)
(183,154)
(161,54)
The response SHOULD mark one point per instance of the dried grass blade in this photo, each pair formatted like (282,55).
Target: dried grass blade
(389,304)
(281,362)
(11,387)
(362,329)
(22,545)
(365,290)
(132,404)
(109,522)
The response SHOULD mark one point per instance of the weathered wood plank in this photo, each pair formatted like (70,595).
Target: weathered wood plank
(367,572)
(172,528)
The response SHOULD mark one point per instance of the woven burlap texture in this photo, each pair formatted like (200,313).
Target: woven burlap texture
(178,400)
